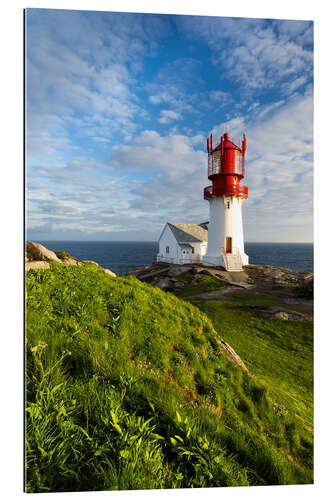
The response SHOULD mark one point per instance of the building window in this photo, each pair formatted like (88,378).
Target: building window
(167,249)
(192,250)
(183,251)
(228,204)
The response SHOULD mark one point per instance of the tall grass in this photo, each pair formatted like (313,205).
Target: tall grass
(127,388)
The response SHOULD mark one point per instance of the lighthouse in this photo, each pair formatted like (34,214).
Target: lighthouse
(225,197)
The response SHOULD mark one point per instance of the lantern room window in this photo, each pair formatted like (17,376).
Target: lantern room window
(238,162)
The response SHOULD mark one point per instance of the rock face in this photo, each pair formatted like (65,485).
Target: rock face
(37,252)
(282,315)
(37,264)
(164,284)
(69,261)
(38,257)
(107,271)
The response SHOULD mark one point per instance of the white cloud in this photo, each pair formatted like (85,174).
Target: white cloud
(290,87)
(219,95)
(254,53)
(167,116)
(77,71)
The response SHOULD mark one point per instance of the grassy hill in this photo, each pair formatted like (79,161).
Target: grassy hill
(128,388)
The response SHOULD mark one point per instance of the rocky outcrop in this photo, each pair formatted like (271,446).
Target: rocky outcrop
(164,284)
(37,264)
(38,257)
(228,350)
(69,261)
(107,271)
(37,252)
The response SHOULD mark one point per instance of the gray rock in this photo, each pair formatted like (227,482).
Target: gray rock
(69,261)
(228,350)
(175,270)
(281,315)
(37,252)
(178,284)
(165,284)
(37,264)
(89,262)
(107,271)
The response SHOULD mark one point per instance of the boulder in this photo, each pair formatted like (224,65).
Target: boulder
(89,262)
(178,284)
(165,284)
(281,315)
(37,264)
(37,252)
(107,271)
(228,350)
(69,261)
(175,270)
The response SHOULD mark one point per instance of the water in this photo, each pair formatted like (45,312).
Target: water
(120,256)
(297,256)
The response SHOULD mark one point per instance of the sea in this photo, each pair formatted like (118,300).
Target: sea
(123,256)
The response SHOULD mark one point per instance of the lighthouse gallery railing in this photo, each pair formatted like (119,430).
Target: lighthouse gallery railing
(238,190)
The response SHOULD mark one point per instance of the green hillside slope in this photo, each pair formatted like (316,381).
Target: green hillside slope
(128,388)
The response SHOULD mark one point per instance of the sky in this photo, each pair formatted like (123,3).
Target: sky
(119,106)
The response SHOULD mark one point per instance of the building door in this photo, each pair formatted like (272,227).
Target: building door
(228,244)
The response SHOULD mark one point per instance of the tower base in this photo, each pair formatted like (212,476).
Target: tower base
(213,261)
(219,260)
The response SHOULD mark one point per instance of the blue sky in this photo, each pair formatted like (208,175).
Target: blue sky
(119,107)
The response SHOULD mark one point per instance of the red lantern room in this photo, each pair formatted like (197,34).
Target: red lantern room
(226,168)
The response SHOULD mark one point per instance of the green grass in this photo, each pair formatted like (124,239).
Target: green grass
(279,353)
(127,388)
(303,292)
(252,299)
(206,284)
(63,255)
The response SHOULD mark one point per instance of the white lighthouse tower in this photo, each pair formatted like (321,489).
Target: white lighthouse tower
(226,196)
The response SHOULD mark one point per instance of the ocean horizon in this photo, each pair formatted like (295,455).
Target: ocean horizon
(123,256)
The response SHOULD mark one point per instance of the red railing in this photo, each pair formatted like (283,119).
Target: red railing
(238,190)
(209,192)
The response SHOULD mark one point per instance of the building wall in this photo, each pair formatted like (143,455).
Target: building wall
(175,254)
(233,225)
(215,233)
(225,220)
(168,239)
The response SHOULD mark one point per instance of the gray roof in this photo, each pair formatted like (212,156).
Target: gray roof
(188,233)
(185,245)
(204,225)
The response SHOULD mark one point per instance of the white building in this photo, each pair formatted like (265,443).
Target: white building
(225,234)
(182,243)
